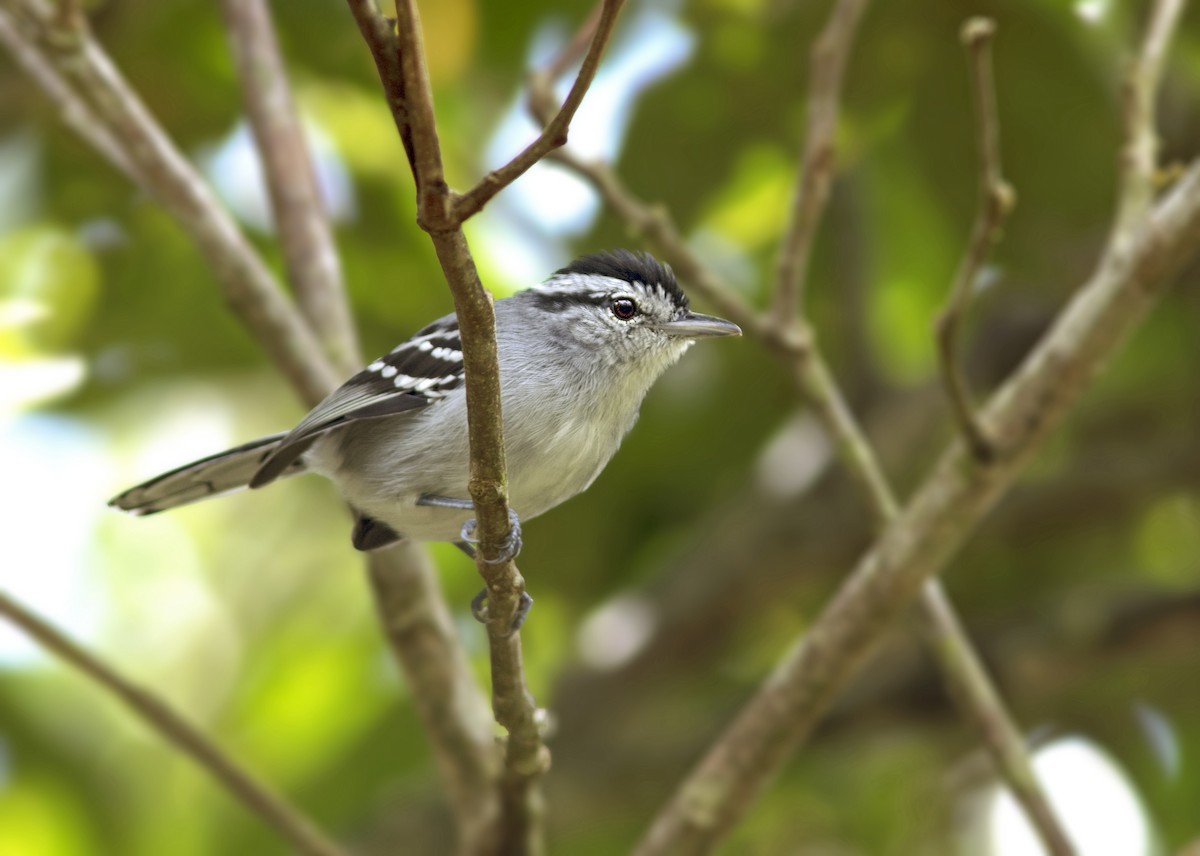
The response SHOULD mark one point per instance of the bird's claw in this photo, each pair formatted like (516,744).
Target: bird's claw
(479,610)
(511,546)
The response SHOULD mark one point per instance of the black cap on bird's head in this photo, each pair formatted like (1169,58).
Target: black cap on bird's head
(642,269)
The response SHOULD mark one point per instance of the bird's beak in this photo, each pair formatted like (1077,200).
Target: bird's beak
(693,325)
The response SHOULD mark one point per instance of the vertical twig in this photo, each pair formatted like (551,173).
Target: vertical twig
(996,201)
(272,808)
(441,214)
(827,67)
(1139,155)
(299,212)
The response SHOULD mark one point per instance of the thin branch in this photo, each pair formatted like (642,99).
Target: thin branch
(248,285)
(996,201)
(653,225)
(574,50)
(526,758)
(554,134)
(827,67)
(928,532)
(975,694)
(961,667)
(794,345)
(74,112)
(271,807)
(1139,157)
(447,699)
(434,209)
(380,37)
(309,250)
(408,599)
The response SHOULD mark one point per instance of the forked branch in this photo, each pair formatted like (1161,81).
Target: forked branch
(554,134)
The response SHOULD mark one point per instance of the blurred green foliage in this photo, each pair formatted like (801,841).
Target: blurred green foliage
(252,614)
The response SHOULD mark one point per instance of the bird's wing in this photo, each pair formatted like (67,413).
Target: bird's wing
(415,374)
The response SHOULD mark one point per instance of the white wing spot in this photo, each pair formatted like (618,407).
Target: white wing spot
(388,371)
(424,345)
(376,366)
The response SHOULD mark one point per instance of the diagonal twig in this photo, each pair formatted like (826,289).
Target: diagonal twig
(996,201)
(271,807)
(793,343)
(554,134)
(947,506)
(827,67)
(931,528)
(796,348)
(74,111)
(299,212)
(445,693)
(247,284)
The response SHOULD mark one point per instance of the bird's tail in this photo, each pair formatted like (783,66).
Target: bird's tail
(221,473)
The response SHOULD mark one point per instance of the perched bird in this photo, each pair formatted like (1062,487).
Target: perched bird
(577,356)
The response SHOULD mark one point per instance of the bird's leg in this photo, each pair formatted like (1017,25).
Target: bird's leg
(512,544)
(479,602)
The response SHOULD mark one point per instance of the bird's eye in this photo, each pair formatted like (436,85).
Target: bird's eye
(624,308)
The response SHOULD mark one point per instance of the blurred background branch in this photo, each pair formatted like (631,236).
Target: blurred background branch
(794,344)
(721,527)
(309,252)
(996,201)
(241,784)
(122,128)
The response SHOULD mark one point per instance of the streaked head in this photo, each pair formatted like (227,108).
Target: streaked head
(626,307)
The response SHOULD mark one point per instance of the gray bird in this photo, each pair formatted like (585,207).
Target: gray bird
(577,356)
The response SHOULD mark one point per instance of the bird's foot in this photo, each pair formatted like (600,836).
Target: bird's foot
(511,546)
(479,609)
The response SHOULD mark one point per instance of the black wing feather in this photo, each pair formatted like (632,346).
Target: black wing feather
(415,374)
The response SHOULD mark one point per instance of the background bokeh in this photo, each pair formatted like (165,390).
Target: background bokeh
(668,590)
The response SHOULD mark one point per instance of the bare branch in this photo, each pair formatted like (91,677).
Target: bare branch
(299,212)
(654,225)
(526,757)
(408,599)
(927,533)
(247,284)
(74,111)
(977,696)
(380,37)
(827,67)
(794,345)
(1139,158)
(156,714)
(573,51)
(434,209)
(453,712)
(554,135)
(996,201)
